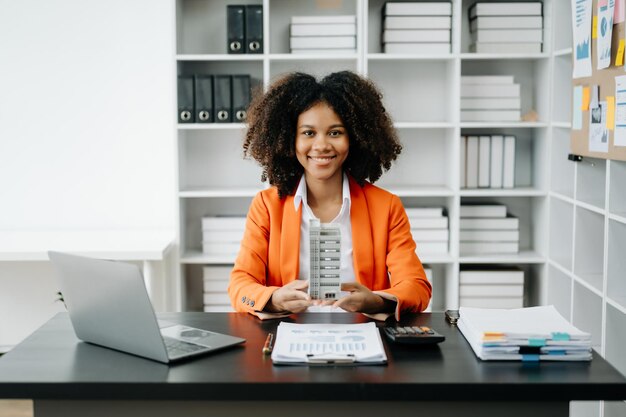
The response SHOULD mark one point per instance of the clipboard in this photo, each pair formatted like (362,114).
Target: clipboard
(328,345)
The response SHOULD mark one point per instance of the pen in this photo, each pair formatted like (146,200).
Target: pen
(267,348)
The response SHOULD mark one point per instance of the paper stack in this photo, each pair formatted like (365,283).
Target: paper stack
(429,228)
(488,161)
(506,27)
(526,334)
(221,236)
(486,229)
(487,287)
(490,98)
(323,34)
(215,279)
(417,27)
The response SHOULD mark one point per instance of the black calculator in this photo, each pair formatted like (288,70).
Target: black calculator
(415,335)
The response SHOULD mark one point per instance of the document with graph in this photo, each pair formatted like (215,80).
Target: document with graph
(328,344)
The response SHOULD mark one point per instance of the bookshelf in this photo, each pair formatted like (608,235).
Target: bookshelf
(564,207)
(585,262)
(422,93)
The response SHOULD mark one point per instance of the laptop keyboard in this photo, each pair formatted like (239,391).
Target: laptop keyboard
(176,348)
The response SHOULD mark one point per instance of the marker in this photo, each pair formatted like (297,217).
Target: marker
(267,348)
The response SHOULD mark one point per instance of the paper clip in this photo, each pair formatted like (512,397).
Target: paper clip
(579,158)
(330,358)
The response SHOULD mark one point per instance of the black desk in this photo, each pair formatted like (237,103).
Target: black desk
(66,377)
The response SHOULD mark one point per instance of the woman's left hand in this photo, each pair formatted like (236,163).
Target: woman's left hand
(360,300)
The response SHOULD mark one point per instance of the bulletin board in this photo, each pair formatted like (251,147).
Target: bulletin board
(605,79)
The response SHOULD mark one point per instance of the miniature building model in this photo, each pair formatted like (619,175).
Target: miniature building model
(324,280)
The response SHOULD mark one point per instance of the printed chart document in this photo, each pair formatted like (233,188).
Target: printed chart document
(526,334)
(598,132)
(581,19)
(620,111)
(328,344)
(605,31)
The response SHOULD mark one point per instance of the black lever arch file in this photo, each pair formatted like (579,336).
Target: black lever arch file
(254,29)
(241,97)
(185,99)
(204,99)
(235,22)
(223,99)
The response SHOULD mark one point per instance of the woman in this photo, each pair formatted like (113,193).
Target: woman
(319,144)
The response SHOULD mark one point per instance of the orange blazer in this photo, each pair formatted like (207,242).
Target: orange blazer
(383,249)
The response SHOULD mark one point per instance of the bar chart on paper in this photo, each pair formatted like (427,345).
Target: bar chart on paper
(300,343)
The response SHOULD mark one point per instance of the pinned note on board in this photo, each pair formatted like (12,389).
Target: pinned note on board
(618,16)
(577,112)
(595,94)
(594,28)
(585,99)
(610,112)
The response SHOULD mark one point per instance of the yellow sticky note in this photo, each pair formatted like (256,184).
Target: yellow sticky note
(586,98)
(619,58)
(610,112)
(594,28)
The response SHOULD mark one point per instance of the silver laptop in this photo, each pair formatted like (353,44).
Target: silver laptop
(109,306)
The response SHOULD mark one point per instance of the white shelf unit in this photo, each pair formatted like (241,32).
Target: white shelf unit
(422,93)
(587,200)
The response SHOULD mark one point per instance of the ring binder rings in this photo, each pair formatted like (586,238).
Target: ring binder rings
(185,99)
(235,22)
(254,29)
(222,99)
(240,96)
(204,98)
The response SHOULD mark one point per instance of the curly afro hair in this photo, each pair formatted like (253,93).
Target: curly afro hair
(273,117)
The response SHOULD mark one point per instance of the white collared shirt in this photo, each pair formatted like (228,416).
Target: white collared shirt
(346,270)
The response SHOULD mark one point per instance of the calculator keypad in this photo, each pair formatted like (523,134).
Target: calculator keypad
(412,334)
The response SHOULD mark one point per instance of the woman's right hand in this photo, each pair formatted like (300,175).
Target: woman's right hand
(291,298)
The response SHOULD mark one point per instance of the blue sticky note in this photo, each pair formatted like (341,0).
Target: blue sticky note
(560,336)
(530,358)
(577,103)
(536,342)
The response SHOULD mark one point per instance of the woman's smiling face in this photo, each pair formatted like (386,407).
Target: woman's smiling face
(321,142)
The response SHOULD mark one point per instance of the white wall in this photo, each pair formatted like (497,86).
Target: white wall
(87,114)
(87,130)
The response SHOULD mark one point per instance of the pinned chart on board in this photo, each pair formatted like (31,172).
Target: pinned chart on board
(581,15)
(619,138)
(598,122)
(598,133)
(605,31)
